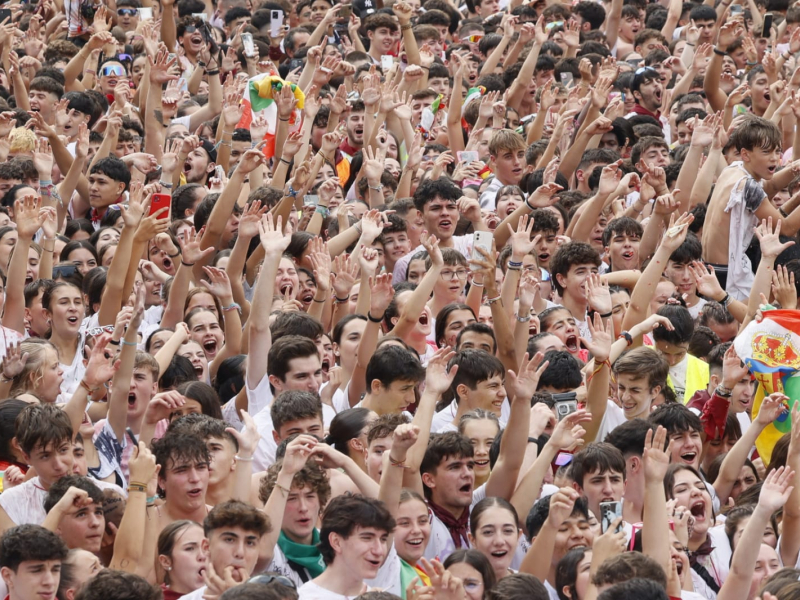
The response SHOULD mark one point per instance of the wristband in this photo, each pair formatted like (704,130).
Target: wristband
(243,459)
(322,210)
(491,301)
(185,264)
(319,301)
(341,300)
(722,391)
(232,306)
(127,343)
(374,319)
(523,319)
(151,499)
(212,73)
(476,284)
(293,192)
(4,379)
(377,188)
(136,488)
(113,342)
(405,27)
(286,162)
(514,264)
(85,386)
(45,182)
(164,184)
(719,52)
(627,336)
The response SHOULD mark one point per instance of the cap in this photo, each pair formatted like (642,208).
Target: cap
(209,148)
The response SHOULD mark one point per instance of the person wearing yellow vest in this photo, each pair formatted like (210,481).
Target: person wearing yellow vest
(687,374)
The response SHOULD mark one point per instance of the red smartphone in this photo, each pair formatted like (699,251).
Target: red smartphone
(158,202)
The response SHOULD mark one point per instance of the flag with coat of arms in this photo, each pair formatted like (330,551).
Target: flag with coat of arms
(258,100)
(771,350)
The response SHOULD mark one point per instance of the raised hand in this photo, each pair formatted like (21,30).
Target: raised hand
(568,432)
(523,385)
(776,489)
(783,287)
(598,294)
(769,238)
(437,378)
(656,458)
(14,361)
(273,239)
(602,338)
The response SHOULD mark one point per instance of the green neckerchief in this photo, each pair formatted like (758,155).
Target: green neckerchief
(308,557)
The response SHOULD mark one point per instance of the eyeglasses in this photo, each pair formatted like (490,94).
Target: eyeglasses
(127,12)
(450,275)
(64,271)
(124,57)
(113,70)
(191,28)
(475,38)
(270,578)
(649,70)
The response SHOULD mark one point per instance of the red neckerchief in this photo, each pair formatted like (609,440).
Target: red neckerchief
(641,110)
(458,526)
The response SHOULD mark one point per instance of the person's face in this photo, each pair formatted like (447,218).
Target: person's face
(416,270)
(742,395)
(67,310)
(706,29)
(363,551)
(481,434)
(725,331)
(672,353)
(137,70)
(222,464)
(713,448)
(128,18)
(635,395)
(396,245)
(141,390)
(761,163)
(79,465)
(51,462)
(507,204)
(205,330)
(318,10)
(397,396)
(110,75)
(233,546)
(417,106)
(33,579)
(620,301)
(383,40)
(664,290)
(373,456)
(574,282)
(452,482)
(237,149)
(767,564)
(300,516)
(488,395)
(629,26)
(680,275)
(73,121)
(575,532)
(686,447)
(103,190)
(563,326)
(690,492)
(44,103)
(759,92)
(412,531)
(483,145)
(348,344)
(472,578)
(623,250)
(496,537)
(605,486)
(286,279)
(441,218)
(83,527)
(744,481)
(650,93)
(508,165)
(477,341)
(456,321)
(304,374)
(189,558)
(656,156)
(197,166)
(195,353)
(203,300)
(48,387)
(440,85)
(185,483)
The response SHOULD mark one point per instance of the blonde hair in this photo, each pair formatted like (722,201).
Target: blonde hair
(33,371)
(22,140)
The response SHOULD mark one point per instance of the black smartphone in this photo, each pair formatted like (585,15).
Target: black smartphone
(766,30)
(5,13)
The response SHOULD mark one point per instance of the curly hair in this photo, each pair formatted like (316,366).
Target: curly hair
(311,476)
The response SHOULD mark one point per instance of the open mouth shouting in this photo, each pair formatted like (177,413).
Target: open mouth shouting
(572,344)
(658,94)
(73,320)
(195,493)
(198,369)
(307,296)
(131,400)
(210,347)
(698,510)
(326,365)
(167,262)
(628,255)
(689,457)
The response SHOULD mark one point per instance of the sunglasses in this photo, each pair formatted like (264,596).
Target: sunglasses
(127,12)
(644,70)
(475,38)
(285,581)
(191,28)
(113,70)
(64,271)
(124,58)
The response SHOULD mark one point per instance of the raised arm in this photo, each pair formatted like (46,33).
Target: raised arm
(29,218)
(790,525)
(655,543)
(274,241)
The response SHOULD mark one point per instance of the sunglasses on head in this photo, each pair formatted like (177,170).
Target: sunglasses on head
(191,28)
(265,579)
(649,70)
(113,70)
(64,271)
(124,57)
(127,12)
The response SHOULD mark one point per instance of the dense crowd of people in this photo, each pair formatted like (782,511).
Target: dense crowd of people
(399,299)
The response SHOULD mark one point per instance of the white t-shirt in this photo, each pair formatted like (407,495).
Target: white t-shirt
(613,417)
(695,310)
(677,375)
(24,504)
(195,595)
